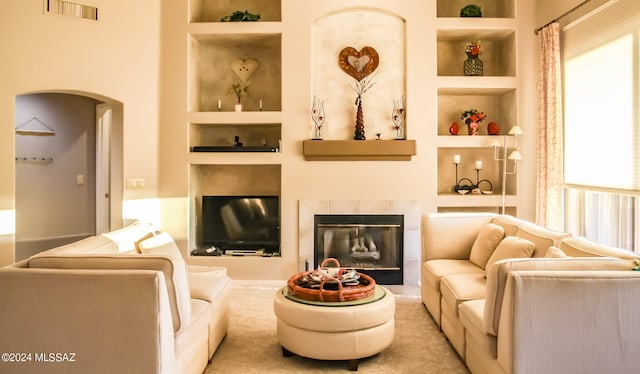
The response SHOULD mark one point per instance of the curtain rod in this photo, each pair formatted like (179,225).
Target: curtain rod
(561,16)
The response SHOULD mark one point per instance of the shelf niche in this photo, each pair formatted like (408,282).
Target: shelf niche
(358,150)
(358,27)
(492,170)
(499,107)
(214,10)
(498,51)
(490,8)
(223,135)
(232,180)
(510,210)
(211,76)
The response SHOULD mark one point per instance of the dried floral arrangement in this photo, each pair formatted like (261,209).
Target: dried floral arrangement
(473,48)
(472,116)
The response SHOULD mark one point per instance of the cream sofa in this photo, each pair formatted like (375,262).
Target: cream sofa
(122,302)
(515,297)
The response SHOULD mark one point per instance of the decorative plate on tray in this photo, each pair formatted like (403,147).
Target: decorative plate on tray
(378,293)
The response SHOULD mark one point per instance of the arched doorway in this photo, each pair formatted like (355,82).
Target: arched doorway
(68,181)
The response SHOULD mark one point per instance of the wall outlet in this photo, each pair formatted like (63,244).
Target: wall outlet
(80,180)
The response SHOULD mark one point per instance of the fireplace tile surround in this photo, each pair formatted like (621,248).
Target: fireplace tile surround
(410,209)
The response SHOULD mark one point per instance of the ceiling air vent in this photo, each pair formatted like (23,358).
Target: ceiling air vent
(67,8)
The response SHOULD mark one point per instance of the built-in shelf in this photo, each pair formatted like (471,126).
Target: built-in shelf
(210,148)
(452,85)
(233,137)
(465,141)
(457,200)
(358,150)
(498,108)
(239,118)
(234,158)
(211,76)
(202,30)
(497,41)
(479,28)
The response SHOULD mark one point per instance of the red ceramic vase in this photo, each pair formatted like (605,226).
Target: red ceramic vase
(473,128)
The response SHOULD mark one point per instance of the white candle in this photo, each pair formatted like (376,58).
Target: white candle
(478,164)
(456,159)
(219,104)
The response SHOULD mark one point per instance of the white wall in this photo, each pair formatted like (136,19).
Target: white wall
(113,59)
(548,10)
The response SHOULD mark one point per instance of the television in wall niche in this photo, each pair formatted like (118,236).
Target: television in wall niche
(242,224)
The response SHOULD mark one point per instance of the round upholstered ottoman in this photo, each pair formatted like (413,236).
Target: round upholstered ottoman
(334,330)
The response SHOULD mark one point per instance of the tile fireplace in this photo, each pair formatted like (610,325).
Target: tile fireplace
(371,243)
(406,261)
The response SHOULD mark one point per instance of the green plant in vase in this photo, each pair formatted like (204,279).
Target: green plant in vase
(239,16)
(238,89)
(471,10)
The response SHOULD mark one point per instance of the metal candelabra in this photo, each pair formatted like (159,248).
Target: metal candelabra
(465,184)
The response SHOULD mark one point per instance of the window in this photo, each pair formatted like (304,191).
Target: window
(602,127)
(604,217)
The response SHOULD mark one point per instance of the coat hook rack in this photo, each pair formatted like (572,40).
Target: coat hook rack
(35,160)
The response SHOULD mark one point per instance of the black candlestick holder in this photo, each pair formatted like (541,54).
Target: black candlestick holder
(465,185)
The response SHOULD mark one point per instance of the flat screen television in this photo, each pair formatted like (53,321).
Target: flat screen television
(241,223)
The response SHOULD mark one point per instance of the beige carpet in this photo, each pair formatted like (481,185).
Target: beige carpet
(251,345)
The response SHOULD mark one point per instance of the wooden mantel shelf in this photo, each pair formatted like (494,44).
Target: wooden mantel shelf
(358,150)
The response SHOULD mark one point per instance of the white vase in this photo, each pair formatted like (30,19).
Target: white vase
(237,107)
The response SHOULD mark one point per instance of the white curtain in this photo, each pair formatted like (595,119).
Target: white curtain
(549,165)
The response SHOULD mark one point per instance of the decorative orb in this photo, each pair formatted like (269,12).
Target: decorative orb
(454,128)
(493,128)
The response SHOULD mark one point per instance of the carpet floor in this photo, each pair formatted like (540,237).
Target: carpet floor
(251,345)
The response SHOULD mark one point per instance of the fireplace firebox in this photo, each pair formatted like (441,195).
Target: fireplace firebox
(372,244)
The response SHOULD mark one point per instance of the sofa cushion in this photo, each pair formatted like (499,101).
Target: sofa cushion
(511,247)
(555,252)
(488,238)
(450,235)
(508,223)
(92,244)
(127,237)
(497,278)
(161,243)
(173,269)
(459,288)
(581,247)
(206,282)
(434,270)
(471,316)
(542,237)
(194,340)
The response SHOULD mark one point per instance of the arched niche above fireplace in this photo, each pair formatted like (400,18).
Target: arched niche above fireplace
(358,28)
